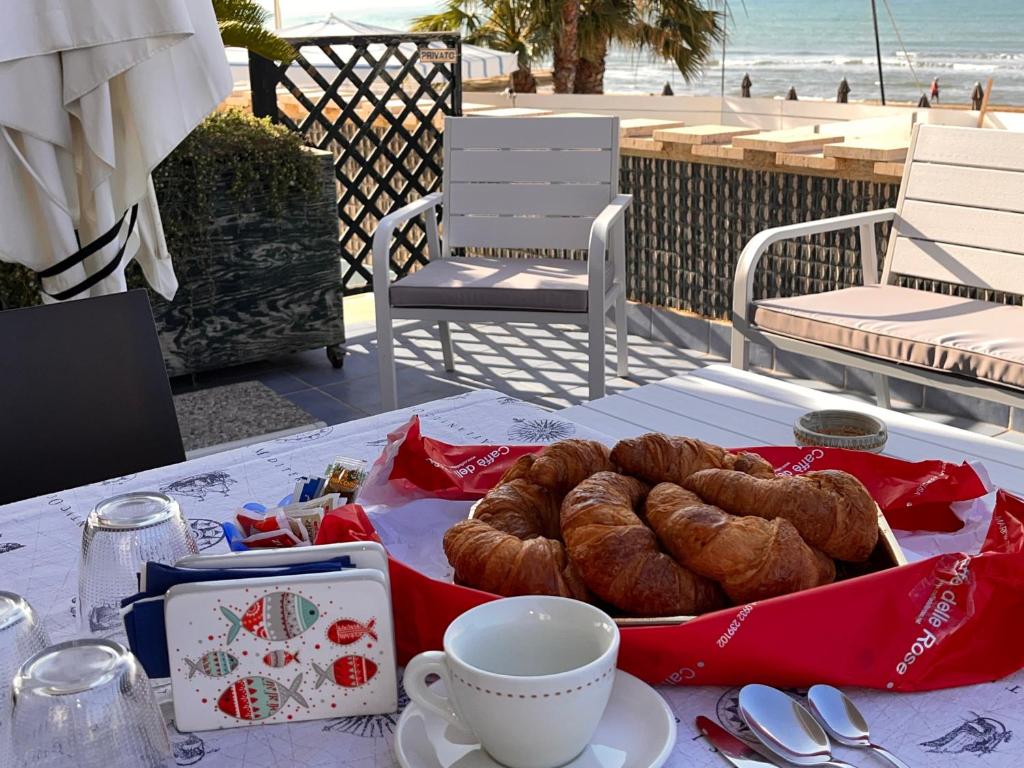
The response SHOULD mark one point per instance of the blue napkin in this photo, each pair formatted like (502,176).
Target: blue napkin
(144,612)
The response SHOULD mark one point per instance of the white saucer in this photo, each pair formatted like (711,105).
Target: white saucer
(638,730)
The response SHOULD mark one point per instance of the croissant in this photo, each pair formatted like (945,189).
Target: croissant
(619,557)
(518,470)
(563,465)
(751,558)
(659,458)
(498,562)
(831,509)
(521,508)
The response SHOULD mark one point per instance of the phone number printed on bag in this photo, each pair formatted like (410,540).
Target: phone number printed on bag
(734,625)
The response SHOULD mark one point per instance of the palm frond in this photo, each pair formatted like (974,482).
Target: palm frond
(243,24)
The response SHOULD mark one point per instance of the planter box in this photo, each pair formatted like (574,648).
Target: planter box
(263,284)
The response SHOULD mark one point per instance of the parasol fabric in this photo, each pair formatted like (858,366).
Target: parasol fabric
(93,95)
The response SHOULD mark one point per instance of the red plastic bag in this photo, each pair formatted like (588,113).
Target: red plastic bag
(414,466)
(945,621)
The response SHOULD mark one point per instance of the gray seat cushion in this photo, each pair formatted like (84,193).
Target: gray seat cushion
(977,339)
(548,285)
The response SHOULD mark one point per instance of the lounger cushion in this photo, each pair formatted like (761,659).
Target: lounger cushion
(548,285)
(978,339)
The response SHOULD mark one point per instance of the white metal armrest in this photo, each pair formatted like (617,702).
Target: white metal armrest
(599,231)
(386,230)
(743,287)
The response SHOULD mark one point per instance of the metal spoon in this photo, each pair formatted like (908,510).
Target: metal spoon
(786,727)
(844,722)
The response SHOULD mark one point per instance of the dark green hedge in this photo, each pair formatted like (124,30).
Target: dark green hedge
(262,161)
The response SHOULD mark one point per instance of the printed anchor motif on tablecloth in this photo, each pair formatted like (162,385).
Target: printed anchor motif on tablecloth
(257,698)
(277,616)
(206,532)
(978,736)
(199,486)
(541,430)
(370,726)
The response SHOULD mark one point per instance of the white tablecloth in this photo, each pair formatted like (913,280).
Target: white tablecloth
(39,541)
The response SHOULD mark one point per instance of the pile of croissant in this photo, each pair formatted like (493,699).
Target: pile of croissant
(660,526)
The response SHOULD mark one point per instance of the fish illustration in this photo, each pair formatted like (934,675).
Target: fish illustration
(348,672)
(348,631)
(257,698)
(280,658)
(213,664)
(277,616)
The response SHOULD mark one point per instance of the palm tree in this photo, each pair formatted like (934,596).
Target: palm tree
(681,31)
(522,27)
(243,23)
(564,47)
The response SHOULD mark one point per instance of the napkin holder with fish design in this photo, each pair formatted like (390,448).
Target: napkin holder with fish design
(281,649)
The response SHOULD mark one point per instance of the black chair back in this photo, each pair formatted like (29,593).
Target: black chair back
(84,395)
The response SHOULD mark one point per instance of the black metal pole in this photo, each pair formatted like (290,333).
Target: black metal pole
(878,50)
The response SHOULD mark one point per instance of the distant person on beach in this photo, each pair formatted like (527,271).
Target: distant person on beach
(935,90)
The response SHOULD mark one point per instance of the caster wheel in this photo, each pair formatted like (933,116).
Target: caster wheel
(336,354)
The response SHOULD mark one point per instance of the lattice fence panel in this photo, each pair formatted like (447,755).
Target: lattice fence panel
(379,109)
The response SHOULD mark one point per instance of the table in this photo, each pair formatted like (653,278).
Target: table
(738,408)
(39,540)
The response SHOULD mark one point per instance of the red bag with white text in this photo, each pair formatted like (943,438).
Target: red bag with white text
(948,620)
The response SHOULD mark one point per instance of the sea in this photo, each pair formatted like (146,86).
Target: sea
(808,44)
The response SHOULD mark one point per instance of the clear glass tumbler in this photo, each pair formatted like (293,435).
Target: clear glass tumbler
(87,704)
(21,636)
(121,534)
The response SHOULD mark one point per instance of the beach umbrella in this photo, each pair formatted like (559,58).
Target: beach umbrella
(791,94)
(93,95)
(923,102)
(477,62)
(667,90)
(745,87)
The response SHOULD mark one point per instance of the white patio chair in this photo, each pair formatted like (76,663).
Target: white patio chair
(514,183)
(959,219)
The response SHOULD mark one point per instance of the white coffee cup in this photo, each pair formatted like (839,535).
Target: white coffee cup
(529,677)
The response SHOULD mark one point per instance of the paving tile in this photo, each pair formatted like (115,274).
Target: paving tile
(963,405)
(323,407)
(281,382)
(720,344)
(899,390)
(680,329)
(806,367)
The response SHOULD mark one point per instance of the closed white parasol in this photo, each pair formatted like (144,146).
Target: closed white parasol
(93,95)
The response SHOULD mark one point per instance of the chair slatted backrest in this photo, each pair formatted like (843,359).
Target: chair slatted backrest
(527,182)
(961,209)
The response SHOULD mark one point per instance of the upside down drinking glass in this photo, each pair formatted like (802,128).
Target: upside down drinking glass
(21,636)
(86,704)
(121,534)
